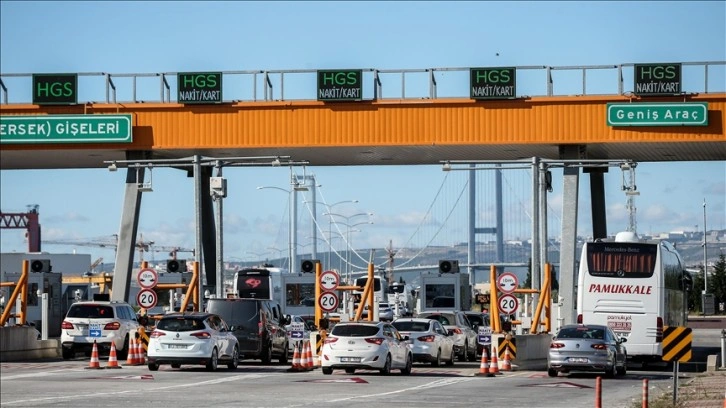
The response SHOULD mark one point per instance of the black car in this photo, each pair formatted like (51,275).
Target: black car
(258,324)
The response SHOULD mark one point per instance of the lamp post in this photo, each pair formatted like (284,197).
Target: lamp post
(347,235)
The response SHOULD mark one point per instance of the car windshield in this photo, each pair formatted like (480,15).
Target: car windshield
(91,311)
(411,326)
(180,324)
(446,320)
(581,333)
(354,330)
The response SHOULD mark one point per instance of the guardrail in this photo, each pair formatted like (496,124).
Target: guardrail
(379,84)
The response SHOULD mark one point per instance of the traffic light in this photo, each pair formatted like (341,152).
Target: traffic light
(40,265)
(449,266)
(308,265)
(176,265)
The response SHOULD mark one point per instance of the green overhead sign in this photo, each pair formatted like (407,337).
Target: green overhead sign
(66,129)
(658,114)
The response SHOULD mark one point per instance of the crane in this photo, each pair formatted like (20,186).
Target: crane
(28,221)
(111,241)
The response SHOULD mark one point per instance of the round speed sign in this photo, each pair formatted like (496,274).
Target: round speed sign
(508,304)
(328,301)
(146,298)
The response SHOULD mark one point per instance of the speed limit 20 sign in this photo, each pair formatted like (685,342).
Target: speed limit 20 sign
(508,304)
(146,298)
(328,301)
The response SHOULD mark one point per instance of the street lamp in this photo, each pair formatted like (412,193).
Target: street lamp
(347,235)
(293,219)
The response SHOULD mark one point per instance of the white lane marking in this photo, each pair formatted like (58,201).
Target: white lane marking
(38,374)
(438,383)
(104,394)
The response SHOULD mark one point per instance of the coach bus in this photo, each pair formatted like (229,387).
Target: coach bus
(634,287)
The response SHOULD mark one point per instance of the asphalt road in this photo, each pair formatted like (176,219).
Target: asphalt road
(61,383)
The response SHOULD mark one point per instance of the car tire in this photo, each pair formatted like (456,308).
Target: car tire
(622,370)
(213,361)
(153,366)
(350,370)
(176,365)
(122,354)
(437,362)
(452,358)
(68,353)
(409,366)
(234,362)
(283,356)
(552,372)
(266,356)
(472,356)
(386,370)
(464,352)
(327,370)
(612,371)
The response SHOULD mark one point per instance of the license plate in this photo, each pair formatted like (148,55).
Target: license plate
(577,360)
(350,359)
(176,346)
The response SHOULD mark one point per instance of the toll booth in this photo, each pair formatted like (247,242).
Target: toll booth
(438,291)
(298,294)
(39,283)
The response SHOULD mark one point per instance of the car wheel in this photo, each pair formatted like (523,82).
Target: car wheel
(552,372)
(409,366)
(612,371)
(283,356)
(153,367)
(327,370)
(452,358)
(176,365)
(266,356)
(464,352)
(212,363)
(234,363)
(437,362)
(68,353)
(122,354)
(472,356)
(386,370)
(350,370)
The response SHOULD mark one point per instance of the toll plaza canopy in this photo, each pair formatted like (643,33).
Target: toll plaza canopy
(639,112)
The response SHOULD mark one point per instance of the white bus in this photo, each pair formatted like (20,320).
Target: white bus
(635,287)
(380,289)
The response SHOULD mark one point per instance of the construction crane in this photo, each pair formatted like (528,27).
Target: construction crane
(28,221)
(107,242)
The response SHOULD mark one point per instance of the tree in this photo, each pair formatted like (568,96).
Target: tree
(717,281)
(694,296)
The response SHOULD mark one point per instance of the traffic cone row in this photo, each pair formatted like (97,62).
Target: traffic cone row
(94,364)
(507,362)
(134,357)
(112,360)
(494,368)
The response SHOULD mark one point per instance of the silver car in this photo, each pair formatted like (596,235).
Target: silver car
(456,322)
(429,341)
(579,347)
(192,338)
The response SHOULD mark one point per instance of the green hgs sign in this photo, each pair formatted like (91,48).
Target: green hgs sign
(199,87)
(658,114)
(340,85)
(55,89)
(66,129)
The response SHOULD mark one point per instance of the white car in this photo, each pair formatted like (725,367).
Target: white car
(102,322)
(429,341)
(192,338)
(360,345)
(456,322)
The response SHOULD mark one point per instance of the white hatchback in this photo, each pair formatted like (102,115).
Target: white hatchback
(429,341)
(358,345)
(192,338)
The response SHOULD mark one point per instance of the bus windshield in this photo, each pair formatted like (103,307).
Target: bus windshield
(621,259)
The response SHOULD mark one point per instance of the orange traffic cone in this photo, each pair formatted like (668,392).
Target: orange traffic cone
(112,360)
(131,353)
(140,352)
(507,362)
(94,364)
(295,360)
(309,354)
(484,366)
(494,367)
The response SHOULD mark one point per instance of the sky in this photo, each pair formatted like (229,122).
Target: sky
(150,37)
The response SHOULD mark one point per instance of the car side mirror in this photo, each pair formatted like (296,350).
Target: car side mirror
(622,340)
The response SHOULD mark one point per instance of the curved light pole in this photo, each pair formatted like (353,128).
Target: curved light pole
(347,236)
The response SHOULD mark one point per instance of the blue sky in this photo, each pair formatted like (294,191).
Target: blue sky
(148,37)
